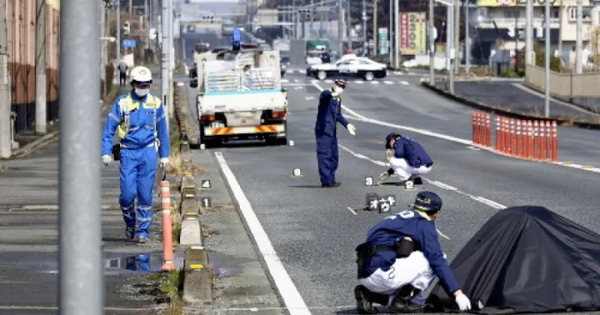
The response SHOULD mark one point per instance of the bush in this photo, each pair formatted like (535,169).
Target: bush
(540,59)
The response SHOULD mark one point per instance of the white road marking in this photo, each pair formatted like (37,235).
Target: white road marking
(397,72)
(374,82)
(404,83)
(285,80)
(286,287)
(388,82)
(296,80)
(446,137)
(359,82)
(308,98)
(298,88)
(329,81)
(488,202)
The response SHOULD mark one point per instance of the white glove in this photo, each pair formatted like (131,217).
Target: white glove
(463,302)
(164,162)
(351,129)
(106,159)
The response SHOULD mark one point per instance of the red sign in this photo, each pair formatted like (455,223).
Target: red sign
(404,38)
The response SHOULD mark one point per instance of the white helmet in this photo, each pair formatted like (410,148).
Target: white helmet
(141,74)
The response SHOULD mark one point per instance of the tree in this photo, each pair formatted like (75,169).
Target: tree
(540,59)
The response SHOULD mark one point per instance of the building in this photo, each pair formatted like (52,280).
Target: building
(509,16)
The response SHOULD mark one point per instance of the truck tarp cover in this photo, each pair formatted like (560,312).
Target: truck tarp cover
(527,259)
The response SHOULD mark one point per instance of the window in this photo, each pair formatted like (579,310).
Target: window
(587,14)
(554,13)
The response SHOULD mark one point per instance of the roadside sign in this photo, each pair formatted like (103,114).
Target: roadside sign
(129,43)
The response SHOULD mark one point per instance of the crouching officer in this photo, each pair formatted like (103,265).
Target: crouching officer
(407,158)
(140,120)
(328,115)
(400,259)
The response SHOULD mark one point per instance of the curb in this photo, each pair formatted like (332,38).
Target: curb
(34,145)
(493,110)
(197,285)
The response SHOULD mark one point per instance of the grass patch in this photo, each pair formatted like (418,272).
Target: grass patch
(176,218)
(206,233)
(175,166)
(171,289)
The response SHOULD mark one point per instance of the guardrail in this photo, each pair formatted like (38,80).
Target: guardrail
(527,139)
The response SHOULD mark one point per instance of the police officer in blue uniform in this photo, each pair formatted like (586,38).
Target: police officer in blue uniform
(407,158)
(401,257)
(236,39)
(328,115)
(140,121)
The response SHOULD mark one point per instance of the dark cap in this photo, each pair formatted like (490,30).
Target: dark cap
(427,201)
(389,137)
(341,82)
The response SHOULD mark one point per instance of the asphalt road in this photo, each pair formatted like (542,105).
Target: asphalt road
(315,234)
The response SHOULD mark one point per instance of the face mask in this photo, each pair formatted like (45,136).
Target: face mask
(141,92)
(338,89)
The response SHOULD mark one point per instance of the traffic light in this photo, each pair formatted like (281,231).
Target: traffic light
(126,28)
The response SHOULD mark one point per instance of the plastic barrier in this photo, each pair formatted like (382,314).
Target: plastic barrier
(528,139)
(167,225)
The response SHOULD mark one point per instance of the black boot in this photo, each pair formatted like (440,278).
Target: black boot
(366,298)
(402,301)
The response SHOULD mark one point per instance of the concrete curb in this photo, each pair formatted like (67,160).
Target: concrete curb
(494,110)
(34,145)
(197,285)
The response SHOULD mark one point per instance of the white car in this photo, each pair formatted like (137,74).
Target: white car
(350,67)
(314,58)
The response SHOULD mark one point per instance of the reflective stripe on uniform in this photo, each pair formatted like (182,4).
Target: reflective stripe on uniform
(127,104)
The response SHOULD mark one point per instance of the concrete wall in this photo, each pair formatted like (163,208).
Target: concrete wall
(21,20)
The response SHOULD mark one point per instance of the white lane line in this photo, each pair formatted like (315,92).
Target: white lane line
(388,82)
(448,138)
(329,81)
(488,202)
(285,80)
(308,98)
(359,82)
(288,291)
(374,82)
(404,83)
(296,80)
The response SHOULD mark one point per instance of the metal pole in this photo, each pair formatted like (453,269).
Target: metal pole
(118,41)
(170,105)
(529,31)
(579,38)
(375,31)
(560,16)
(457,35)
(81,278)
(396,37)
(5,120)
(364,26)
(349,24)
(450,43)
(431,43)
(164,51)
(547,54)
(467,37)
(340,27)
(322,23)
(147,28)
(312,18)
(391,32)
(130,6)
(40,68)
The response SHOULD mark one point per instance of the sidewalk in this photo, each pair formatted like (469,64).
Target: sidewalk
(29,239)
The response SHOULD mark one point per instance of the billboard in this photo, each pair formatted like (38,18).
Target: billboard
(513,3)
(413,33)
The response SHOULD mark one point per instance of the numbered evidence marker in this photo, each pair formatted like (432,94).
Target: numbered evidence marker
(291,143)
(409,185)
(372,202)
(391,199)
(368,181)
(205,202)
(296,173)
(384,205)
(205,184)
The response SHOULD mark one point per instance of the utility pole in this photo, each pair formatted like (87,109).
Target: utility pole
(547,55)
(130,7)
(450,43)
(118,41)
(81,276)
(5,121)
(391,32)
(529,32)
(579,38)
(364,26)
(340,27)
(40,68)
(312,18)
(349,24)
(560,20)
(147,28)
(457,35)
(165,52)
(467,5)
(396,32)
(431,43)
(375,31)
(171,105)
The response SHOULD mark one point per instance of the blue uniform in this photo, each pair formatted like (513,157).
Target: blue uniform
(328,115)
(410,150)
(142,127)
(138,263)
(392,229)
(236,39)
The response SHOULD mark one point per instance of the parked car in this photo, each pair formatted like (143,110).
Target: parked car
(350,67)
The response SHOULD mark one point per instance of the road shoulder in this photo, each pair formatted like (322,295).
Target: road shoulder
(240,284)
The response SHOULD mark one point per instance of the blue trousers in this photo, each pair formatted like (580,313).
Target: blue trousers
(138,263)
(327,157)
(138,171)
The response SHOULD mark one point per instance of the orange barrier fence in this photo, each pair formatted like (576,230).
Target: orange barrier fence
(167,226)
(530,139)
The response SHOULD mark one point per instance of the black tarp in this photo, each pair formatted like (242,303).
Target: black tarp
(527,259)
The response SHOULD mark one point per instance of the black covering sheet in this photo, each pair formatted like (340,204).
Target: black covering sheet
(527,259)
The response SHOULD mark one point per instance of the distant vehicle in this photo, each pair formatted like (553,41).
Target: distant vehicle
(353,67)
(227,28)
(313,57)
(249,46)
(220,49)
(264,46)
(202,47)
(191,29)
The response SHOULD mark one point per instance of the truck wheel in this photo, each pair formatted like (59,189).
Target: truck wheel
(322,75)
(276,141)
